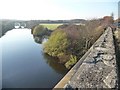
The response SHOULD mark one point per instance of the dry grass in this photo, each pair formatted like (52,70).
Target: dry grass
(117,34)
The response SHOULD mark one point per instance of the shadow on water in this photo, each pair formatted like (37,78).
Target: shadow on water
(41,69)
(53,62)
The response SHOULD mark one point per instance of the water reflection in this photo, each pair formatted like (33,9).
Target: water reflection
(24,64)
(53,62)
(39,33)
(38,39)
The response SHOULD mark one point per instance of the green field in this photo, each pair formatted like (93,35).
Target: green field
(51,26)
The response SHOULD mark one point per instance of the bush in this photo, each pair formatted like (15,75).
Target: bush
(70,42)
(38,30)
(57,44)
(63,43)
(71,62)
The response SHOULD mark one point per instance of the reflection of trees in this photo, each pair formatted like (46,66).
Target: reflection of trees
(39,32)
(37,39)
(53,62)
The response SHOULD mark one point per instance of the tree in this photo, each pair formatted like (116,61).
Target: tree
(112,15)
(107,20)
(57,44)
(69,42)
(40,32)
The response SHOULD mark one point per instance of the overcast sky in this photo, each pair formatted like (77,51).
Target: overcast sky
(57,9)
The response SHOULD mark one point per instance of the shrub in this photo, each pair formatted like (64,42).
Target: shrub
(71,62)
(39,30)
(70,42)
(57,44)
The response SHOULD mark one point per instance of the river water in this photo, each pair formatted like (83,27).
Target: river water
(24,65)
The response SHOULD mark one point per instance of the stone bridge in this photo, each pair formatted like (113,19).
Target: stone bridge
(96,69)
(19,25)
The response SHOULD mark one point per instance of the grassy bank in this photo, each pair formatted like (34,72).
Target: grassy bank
(51,26)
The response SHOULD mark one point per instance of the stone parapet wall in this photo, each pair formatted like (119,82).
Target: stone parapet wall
(97,68)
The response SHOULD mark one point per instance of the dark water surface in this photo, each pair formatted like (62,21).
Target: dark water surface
(24,65)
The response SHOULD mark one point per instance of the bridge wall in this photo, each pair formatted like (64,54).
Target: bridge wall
(96,69)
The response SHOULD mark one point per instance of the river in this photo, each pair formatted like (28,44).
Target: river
(24,64)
